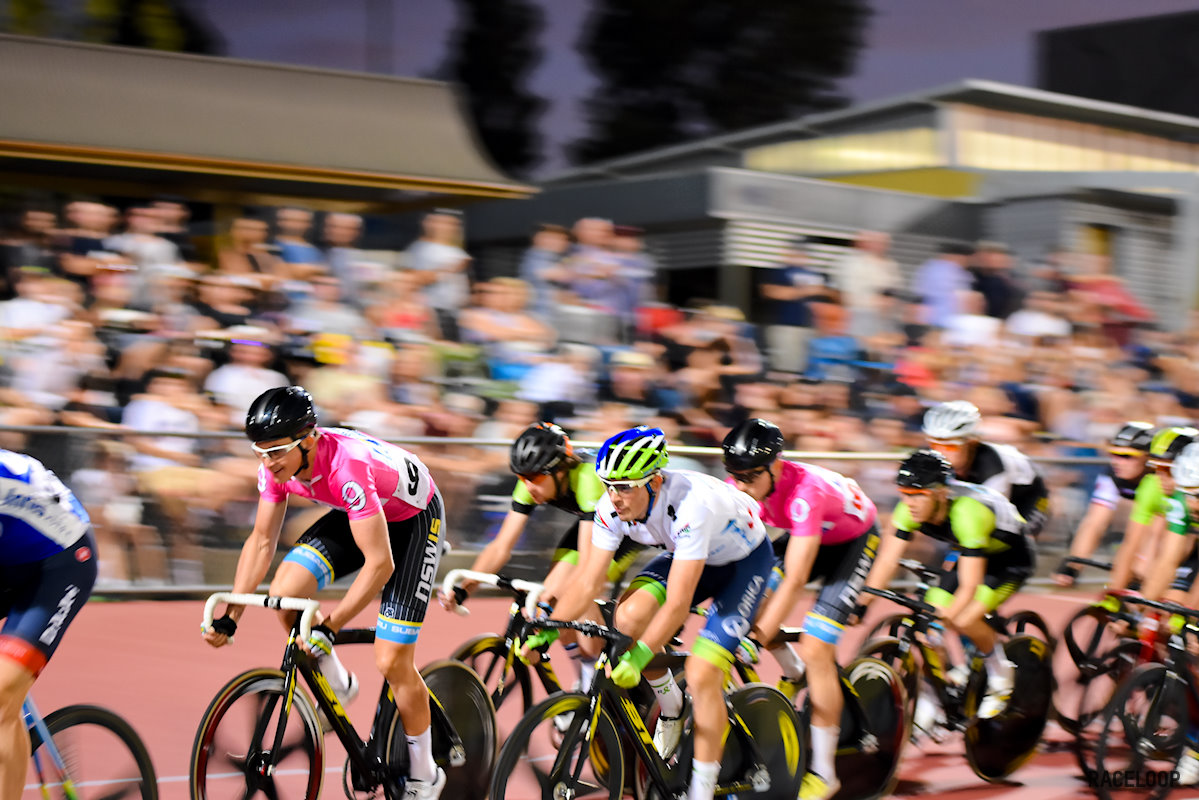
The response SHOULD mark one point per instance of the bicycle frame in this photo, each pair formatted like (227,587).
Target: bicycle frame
(34,721)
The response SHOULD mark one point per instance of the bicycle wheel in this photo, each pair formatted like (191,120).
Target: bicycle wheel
(1144,730)
(102,756)
(1030,623)
(767,716)
(1086,638)
(233,745)
(997,747)
(488,655)
(468,707)
(891,652)
(539,760)
(1096,692)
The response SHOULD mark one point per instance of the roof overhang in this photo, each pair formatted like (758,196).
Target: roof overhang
(292,127)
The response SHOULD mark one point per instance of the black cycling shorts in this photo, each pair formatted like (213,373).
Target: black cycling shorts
(1006,572)
(39,600)
(842,569)
(1184,576)
(329,552)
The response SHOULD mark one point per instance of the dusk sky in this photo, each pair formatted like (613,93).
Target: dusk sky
(910,44)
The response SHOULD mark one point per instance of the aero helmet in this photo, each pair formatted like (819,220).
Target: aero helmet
(632,455)
(752,444)
(285,412)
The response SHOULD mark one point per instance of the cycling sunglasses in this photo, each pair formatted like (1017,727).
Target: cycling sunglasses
(748,476)
(275,452)
(624,487)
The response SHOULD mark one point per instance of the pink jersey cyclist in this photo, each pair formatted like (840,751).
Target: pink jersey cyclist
(813,501)
(359,475)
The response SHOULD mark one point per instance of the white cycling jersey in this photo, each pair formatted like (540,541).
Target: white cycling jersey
(695,516)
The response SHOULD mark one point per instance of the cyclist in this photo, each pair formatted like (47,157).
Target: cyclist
(1172,572)
(47,570)
(952,430)
(1149,508)
(716,547)
(1129,452)
(832,537)
(551,472)
(994,557)
(385,521)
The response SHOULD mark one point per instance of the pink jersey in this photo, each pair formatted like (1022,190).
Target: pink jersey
(360,475)
(813,501)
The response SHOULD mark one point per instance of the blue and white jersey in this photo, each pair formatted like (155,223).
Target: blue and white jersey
(39,516)
(695,516)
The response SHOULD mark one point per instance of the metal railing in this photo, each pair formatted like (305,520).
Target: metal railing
(180,531)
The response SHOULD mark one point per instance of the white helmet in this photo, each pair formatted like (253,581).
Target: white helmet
(956,419)
(1185,468)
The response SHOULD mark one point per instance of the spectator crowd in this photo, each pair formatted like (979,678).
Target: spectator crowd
(119,319)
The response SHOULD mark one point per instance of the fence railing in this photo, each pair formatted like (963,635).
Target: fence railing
(172,517)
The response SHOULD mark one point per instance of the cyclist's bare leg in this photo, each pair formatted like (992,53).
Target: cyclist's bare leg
(705,681)
(969,622)
(397,664)
(824,684)
(15,683)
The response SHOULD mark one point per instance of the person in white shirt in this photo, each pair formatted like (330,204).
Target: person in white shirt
(245,377)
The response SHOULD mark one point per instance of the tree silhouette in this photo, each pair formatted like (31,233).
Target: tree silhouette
(493,51)
(673,70)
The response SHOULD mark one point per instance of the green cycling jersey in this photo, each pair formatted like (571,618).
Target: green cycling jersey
(582,491)
(980,521)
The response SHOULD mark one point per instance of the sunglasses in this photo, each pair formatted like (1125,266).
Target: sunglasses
(915,492)
(1125,453)
(748,476)
(272,453)
(625,487)
(951,447)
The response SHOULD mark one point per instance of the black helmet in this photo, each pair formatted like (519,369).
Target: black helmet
(282,413)
(924,469)
(539,449)
(1133,436)
(752,444)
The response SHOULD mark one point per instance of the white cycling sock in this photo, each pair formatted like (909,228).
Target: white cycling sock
(824,750)
(420,753)
(670,696)
(334,671)
(789,660)
(703,780)
(586,674)
(997,661)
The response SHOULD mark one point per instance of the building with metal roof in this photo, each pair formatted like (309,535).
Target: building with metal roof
(972,160)
(114,120)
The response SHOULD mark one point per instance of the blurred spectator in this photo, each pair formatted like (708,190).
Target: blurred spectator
(970,326)
(403,315)
(145,250)
(631,380)
(993,279)
(542,268)
(1039,321)
(341,233)
(130,552)
(81,243)
(235,385)
(248,254)
(440,264)
(939,282)
(635,273)
(328,311)
(173,216)
(563,384)
(46,370)
(38,306)
(346,381)
(1116,309)
(833,351)
(792,288)
(224,300)
(301,257)
(28,244)
(510,336)
(867,279)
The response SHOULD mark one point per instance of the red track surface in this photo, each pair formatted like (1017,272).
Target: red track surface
(146,661)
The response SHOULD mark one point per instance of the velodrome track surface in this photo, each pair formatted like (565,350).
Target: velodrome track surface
(146,660)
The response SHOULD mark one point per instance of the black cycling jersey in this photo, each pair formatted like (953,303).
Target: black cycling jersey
(1012,473)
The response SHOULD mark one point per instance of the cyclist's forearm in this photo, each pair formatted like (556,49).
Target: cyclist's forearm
(252,566)
(1090,530)
(670,617)
(1126,556)
(885,564)
(369,581)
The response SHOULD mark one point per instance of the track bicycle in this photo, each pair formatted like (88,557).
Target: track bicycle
(496,657)
(1152,716)
(875,722)
(84,751)
(763,752)
(995,747)
(261,733)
